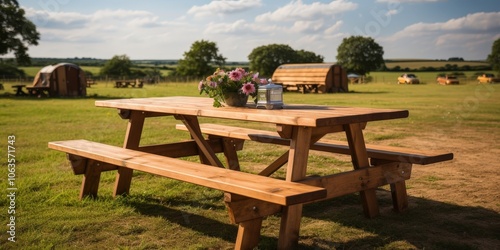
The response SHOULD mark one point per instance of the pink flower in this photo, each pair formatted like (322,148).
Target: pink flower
(248,88)
(213,84)
(235,75)
(263,81)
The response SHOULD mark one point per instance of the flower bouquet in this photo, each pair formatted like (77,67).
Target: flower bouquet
(224,87)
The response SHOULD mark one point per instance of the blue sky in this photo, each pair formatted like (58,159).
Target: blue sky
(154,29)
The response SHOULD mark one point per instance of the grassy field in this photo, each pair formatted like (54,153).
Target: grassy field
(453,205)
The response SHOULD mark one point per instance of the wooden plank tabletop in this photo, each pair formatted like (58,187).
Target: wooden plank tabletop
(291,114)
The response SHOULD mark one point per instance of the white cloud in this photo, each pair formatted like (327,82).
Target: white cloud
(472,33)
(392,12)
(57,20)
(472,23)
(298,10)
(223,7)
(475,22)
(240,26)
(308,26)
(334,28)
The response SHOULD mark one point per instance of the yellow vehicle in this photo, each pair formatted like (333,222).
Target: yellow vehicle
(487,78)
(408,79)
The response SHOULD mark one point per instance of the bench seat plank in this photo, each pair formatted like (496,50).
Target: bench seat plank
(258,187)
(389,153)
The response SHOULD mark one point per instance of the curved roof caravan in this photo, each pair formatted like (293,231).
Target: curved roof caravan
(307,77)
(63,79)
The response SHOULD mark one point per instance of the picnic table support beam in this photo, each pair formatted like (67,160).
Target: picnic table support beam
(193,126)
(132,139)
(230,146)
(360,160)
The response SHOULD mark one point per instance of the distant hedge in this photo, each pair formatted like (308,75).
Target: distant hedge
(447,67)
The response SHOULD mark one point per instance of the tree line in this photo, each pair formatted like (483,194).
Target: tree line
(446,67)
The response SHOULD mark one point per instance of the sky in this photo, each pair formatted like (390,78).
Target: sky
(155,29)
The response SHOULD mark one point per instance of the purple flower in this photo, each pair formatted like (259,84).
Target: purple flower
(248,88)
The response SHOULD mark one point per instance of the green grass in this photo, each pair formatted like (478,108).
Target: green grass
(166,214)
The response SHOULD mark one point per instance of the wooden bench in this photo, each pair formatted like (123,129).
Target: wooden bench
(92,158)
(38,91)
(248,197)
(379,155)
(90,82)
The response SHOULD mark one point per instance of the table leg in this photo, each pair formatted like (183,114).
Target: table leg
(296,170)
(132,139)
(354,133)
(19,91)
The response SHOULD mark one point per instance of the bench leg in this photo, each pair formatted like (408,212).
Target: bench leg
(398,190)
(360,160)
(248,234)
(399,196)
(132,139)
(91,178)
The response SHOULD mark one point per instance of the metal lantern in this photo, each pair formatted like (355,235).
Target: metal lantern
(270,96)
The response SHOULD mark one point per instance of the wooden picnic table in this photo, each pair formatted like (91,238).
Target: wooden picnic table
(302,124)
(19,89)
(126,83)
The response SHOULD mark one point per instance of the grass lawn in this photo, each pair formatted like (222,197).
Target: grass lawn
(453,205)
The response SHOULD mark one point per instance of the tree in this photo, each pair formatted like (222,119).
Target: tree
(309,57)
(118,66)
(265,59)
(360,54)
(494,57)
(16,32)
(8,70)
(199,59)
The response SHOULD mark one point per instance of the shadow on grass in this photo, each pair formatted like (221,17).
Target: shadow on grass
(366,92)
(207,226)
(12,96)
(427,224)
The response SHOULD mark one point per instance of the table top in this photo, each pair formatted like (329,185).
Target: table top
(291,114)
